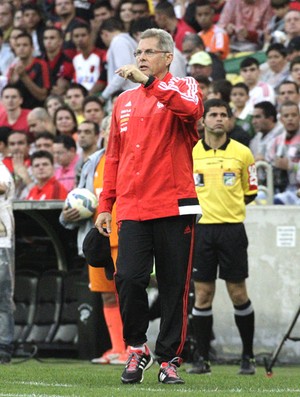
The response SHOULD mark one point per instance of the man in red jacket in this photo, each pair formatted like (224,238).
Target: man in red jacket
(149,173)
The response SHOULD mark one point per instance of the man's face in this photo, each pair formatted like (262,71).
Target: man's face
(204,16)
(52,41)
(64,8)
(102,14)
(155,64)
(200,70)
(87,136)
(23,48)
(292,23)
(6,16)
(31,19)
(11,99)
(44,144)
(42,170)
(188,49)
(260,122)
(17,144)
(93,112)
(216,121)
(160,19)
(35,124)
(62,156)
(140,11)
(295,73)
(81,38)
(290,118)
(250,75)
(74,99)
(288,92)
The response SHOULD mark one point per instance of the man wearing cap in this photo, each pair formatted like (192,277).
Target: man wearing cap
(201,65)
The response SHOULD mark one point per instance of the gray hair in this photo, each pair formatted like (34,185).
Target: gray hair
(165,41)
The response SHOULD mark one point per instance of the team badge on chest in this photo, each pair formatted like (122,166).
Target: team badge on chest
(229,178)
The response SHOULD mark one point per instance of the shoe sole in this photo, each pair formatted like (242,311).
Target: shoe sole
(127,382)
(172,382)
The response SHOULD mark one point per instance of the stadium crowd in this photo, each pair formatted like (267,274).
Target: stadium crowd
(58,61)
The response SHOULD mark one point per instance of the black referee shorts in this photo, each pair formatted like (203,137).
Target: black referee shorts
(220,246)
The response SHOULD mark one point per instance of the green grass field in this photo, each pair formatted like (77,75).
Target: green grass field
(74,378)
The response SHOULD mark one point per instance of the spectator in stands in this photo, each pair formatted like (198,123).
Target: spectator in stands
(47,187)
(245,21)
(64,152)
(13,115)
(31,75)
(121,47)
(102,10)
(267,128)
(286,152)
(65,121)
(39,120)
(6,18)
(258,90)
(200,65)
(89,62)
(288,91)
(18,162)
(18,19)
(93,110)
(204,84)
(6,55)
(291,25)
(88,137)
(140,9)
(15,32)
(33,24)
(52,103)
(124,13)
(295,70)
(193,43)
(7,265)
(276,69)
(75,95)
(239,97)
(166,19)
(67,20)
(216,39)
(275,29)
(60,65)
(4,132)
(220,89)
(44,141)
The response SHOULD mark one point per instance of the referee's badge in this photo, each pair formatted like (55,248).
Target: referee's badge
(229,178)
(199,179)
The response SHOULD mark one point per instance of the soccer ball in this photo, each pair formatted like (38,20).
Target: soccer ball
(83,200)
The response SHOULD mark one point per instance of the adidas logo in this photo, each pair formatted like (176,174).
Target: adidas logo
(128,104)
(187,230)
(162,376)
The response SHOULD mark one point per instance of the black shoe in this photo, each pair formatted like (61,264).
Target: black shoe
(137,363)
(168,372)
(201,367)
(247,366)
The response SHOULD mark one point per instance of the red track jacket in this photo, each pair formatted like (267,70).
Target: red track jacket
(149,167)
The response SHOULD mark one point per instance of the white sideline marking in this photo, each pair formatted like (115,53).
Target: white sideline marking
(41,384)
(29,395)
(181,390)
